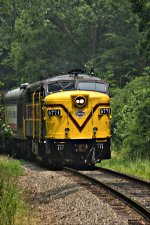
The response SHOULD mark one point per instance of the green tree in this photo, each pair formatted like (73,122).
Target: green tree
(117,57)
(130,124)
(40,39)
(9,11)
(142,9)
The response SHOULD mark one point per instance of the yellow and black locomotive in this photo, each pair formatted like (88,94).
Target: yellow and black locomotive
(61,120)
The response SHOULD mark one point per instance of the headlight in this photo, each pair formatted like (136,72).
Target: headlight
(80,101)
(95,129)
(67,130)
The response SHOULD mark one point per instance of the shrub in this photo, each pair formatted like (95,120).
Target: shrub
(130,124)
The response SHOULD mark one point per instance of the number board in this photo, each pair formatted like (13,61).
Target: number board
(105,111)
(53,112)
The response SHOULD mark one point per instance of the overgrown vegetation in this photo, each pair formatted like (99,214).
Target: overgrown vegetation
(131,116)
(13,210)
(138,167)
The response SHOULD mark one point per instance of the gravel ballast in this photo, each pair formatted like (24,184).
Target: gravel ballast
(56,198)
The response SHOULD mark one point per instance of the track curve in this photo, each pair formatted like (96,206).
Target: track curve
(95,179)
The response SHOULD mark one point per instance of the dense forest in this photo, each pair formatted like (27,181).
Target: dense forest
(40,39)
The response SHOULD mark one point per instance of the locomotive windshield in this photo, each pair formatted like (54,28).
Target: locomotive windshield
(92,86)
(80,85)
(57,86)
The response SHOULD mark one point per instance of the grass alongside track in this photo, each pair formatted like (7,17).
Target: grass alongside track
(13,209)
(139,167)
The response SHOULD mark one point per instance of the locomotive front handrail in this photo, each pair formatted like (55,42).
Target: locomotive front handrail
(40,115)
(24,127)
(33,115)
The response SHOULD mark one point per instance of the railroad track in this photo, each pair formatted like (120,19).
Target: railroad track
(137,189)
(104,186)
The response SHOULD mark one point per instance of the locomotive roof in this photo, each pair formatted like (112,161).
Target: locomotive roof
(71,77)
(67,77)
(18,92)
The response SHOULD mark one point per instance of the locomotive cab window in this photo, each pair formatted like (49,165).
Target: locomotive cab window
(58,86)
(92,86)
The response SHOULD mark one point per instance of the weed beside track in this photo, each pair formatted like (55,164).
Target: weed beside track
(138,167)
(13,209)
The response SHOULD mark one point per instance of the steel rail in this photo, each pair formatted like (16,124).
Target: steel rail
(127,200)
(123,175)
